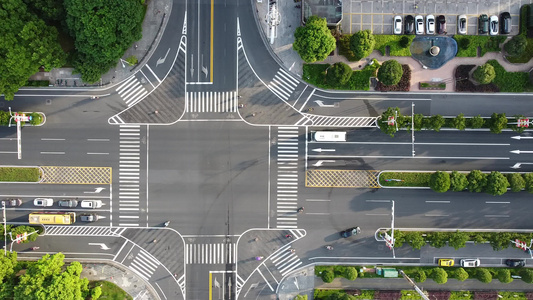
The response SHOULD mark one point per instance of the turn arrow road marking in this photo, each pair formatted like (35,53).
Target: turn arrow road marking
(102,245)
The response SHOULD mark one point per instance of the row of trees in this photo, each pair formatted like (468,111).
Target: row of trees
(36,32)
(389,73)
(494,183)
(457,239)
(440,275)
(496,123)
(328,273)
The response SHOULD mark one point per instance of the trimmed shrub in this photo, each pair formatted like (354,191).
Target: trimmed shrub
(516,182)
(528,177)
(476,181)
(327,275)
(460,274)
(404,42)
(483,275)
(458,181)
(527,275)
(362,43)
(350,273)
(496,184)
(497,122)
(477,122)
(516,46)
(504,276)
(338,74)
(415,239)
(420,276)
(439,275)
(390,72)
(484,74)
(439,182)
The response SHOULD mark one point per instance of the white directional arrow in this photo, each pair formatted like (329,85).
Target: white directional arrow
(521,137)
(102,245)
(321,104)
(320,162)
(325,150)
(162,59)
(96,190)
(517,165)
(518,151)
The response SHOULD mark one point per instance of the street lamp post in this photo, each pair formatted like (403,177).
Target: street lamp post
(5,228)
(17,239)
(413,128)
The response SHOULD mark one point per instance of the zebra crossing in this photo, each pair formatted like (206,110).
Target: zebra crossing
(214,253)
(144,265)
(82,230)
(131,91)
(129,175)
(283,84)
(287,177)
(285,260)
(341,121)
(211,101)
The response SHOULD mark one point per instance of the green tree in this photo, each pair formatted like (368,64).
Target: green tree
(459,122)
(528,178)
(516,182)
(458,239)
(350,273)
(497,184)
(415,239)
(438,239)
(419,121)
(327,275)
(338,74)
(439,275)
(97,292)
(8,263)
(484,74)
(499,240)
(48,10)
(483,275)
(27,43)
(25,229)
(47,280)
(102,32)
(464,44)
(436,122)
(461,274)
(404,42)
(516,46)
(362,44)
(497,122)
(458,181)
(504,276)
(477,122)
(527,275)
(390,72)
(314,41)
(399,238)
(439,181)
(420,276)
(476,181)
(400,121)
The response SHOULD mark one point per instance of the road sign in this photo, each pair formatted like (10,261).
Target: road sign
(521,245)
(523,123)
(388,240)
(21,117)
(391,120)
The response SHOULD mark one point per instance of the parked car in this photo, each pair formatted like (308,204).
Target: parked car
(350,231)
(68,203)
(494,27)
(43,202)
(461,24)
(470,262)
(441,24)
(89,217)
(515,263)
(397,25)
(430,24)
(446,262)
(505,23)
(91,203)
(409,25)
(483,24)
(419,23)
(13,202)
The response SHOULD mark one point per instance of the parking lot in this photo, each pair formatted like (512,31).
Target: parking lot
(378,15)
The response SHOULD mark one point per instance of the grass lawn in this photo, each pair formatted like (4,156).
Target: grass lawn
(514,82)
(19,174)
(393,41)
(111,291)
(525,57)
(409,179)
(359,80)
(485,42)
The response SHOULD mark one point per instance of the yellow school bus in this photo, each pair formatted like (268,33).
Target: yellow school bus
(59,218)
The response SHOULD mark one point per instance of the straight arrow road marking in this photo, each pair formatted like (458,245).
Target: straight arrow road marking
(323,150)
(521,137)
(102,245)
(518,151)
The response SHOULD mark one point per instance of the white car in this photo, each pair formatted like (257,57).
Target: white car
(430,24)
(91,203)
(470,263)
(397,25)
(493,24)
(461,24)
(43,202)
(419,24)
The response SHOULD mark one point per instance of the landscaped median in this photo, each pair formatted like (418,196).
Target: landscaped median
(20,174)
(37,118)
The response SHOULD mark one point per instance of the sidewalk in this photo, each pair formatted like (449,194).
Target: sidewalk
(290,20)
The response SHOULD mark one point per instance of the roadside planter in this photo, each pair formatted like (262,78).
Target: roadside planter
(432,85)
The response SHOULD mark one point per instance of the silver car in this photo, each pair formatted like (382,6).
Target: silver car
(461,24)
(89,217)
(419,24)
(68,203)
(430,24)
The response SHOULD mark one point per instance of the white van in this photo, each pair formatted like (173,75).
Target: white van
(330,136)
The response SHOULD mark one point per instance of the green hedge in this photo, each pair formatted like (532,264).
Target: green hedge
(528,54)
(19,174)
(37,83)
(5,117)
(393,42)
(511,82)
(418,179)
(486,43)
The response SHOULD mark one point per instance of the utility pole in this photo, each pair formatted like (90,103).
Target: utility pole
(413,128)
(5,228)
(412,283)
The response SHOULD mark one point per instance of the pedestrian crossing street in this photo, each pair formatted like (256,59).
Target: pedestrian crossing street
(285,260)
(144,265)
(287,177)
(283,84)
(131,91)
(83,230)
(341,121)
(214,253)
(211,101)
(129,175)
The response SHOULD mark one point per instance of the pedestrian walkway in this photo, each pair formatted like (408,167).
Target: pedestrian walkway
(283,84)
(129,175)
(211,101)
(213,253)
(131,91)
(144,265)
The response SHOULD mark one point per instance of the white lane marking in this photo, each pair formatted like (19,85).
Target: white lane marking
(398,156)
(437,201)
(98,153)
(378,200)
(496,202)
(496,216)
(317,200)
(435,215)
(52,152)
(51,139)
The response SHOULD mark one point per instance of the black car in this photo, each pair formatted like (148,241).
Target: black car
(409,25)
(505,23)
(350,231)
(441,24)
(515,263)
